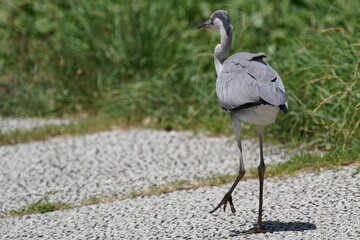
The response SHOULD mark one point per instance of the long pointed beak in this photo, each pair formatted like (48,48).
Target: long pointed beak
(205,25)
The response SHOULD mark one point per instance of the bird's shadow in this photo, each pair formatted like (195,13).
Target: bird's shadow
(275,226)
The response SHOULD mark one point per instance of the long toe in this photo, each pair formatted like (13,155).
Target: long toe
(222,203)
(250,231)
(227,198)
(255,230)
(232,205)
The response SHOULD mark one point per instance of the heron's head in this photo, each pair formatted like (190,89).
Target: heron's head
(219,19)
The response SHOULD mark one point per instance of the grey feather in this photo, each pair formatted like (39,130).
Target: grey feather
(250,90)
(245,78)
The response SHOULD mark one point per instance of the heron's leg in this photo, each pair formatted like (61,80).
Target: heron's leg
(228,197)
(261,171)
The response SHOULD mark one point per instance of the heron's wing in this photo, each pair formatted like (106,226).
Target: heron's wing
(247,79)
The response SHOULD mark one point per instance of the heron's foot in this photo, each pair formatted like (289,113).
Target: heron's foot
(227,198)
(255,230)
(250,231)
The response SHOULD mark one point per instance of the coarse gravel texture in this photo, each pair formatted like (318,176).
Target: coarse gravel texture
(113,163)
(322,205)
(8,125)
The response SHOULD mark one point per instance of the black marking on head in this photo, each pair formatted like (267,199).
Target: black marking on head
(224,17)
(274,79)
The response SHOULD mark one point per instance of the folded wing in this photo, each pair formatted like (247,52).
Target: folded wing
(246,80)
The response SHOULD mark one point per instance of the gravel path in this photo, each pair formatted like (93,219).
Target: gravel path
(25,124)
(321,205)
(313,206)
(74,169)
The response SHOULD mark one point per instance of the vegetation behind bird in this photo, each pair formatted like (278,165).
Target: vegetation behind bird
(145,60)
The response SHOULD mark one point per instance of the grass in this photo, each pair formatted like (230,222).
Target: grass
(143,63)
(123,58)
(294,167)
(41,206)
(311,162)
(88,125)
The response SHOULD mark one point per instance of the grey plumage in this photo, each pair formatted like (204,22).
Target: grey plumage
(251,91)
(224,17)
(245,78)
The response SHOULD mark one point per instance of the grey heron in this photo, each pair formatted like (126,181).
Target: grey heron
(250,90)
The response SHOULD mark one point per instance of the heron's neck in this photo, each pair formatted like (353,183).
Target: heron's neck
(222,50)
